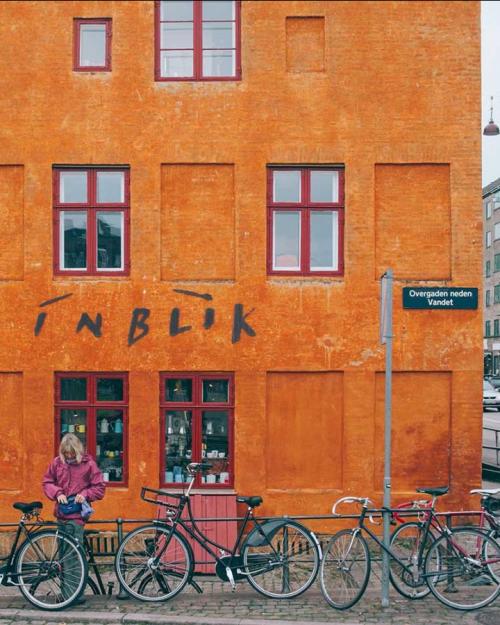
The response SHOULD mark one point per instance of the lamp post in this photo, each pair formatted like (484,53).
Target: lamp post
(491,129)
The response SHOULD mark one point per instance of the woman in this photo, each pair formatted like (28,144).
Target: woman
(73,472)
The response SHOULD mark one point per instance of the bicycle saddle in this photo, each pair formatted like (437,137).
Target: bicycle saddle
(28,507)
(253,502)
(435,492)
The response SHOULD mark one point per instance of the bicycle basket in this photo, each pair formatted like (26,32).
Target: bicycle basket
(492,505)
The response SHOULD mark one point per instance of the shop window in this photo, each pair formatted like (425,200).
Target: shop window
(197,40)
(488,269)
(91,221)
(92,45)
(197,426)
(487,329)
(94,406)
(305,207)
(488,297)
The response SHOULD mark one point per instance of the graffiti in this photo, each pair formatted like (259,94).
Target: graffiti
(139,327)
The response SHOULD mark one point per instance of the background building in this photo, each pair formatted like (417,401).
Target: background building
(197,202)
(491,257)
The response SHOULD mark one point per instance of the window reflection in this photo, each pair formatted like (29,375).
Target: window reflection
(74,240)
(109,240)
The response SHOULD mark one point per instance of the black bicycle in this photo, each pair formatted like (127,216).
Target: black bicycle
(47,566)
(279,557)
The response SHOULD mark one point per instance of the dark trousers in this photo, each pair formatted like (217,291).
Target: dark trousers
(70,568)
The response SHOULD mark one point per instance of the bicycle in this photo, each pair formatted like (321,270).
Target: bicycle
(48,566)
(454,566)
(406,539)
(279,557)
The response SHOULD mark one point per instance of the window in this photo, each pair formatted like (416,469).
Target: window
(496,262)
(91,221)
(488,208)
(496,294)
(305,208)
(496,327)
(496,200)
(497,231)
(198,40)
(94,406)
(92,45)
(488,269)
(488,329)
(197,424)
(488,297)
(488,238)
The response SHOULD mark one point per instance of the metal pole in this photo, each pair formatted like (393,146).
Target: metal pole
(387,335)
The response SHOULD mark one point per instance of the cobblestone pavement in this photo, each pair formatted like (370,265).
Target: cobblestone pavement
(218,605)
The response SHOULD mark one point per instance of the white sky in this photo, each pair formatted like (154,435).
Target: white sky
(490,70)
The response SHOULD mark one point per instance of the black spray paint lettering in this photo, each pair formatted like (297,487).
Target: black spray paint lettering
(139,328)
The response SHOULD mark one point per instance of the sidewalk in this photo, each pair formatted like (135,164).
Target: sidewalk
(219,606)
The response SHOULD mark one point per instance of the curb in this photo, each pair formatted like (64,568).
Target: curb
(89,616)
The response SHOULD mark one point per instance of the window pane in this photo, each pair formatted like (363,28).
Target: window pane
(109,240)
(286,240)
(218,10)
(324,240)
(110,187)
(92,45)
(218,35)
(73,187)
(216,391)
(178,445)
(176,63)
(219,63)
(176,10)
(497,231)
(286,186)
(73,389)
(215,448)
(109,389)
(177,35)
(109,444)
(324,186)
(73,240)
(74,422)
(178,390)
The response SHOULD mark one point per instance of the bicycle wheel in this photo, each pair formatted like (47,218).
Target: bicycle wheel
(284,566)
(406,543)
(459,566)
(345,569)
(51,570)
(150,571)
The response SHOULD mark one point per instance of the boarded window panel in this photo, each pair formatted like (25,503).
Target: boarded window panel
(11,430)
(413,221)
(421,435)
(304,430)
(305,44)
(197,222)
(12,220)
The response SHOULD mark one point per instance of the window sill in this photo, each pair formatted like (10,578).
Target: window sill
(201,491)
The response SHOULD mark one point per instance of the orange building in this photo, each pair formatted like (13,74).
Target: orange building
(197,201)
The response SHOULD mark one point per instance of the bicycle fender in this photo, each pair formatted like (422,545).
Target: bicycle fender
(261,535)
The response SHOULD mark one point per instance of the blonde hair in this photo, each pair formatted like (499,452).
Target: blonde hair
(71,444)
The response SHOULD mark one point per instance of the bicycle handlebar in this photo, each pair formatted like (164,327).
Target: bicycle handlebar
(364,501)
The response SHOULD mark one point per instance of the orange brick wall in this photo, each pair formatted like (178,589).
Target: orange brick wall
(390,90)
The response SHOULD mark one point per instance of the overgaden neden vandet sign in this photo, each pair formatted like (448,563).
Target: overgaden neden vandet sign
(440,297)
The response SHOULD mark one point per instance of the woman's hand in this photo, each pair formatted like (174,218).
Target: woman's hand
(79,498)
(62,499)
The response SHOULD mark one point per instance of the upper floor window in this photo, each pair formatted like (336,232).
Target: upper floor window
(488,297)
(488,269)
(91,221)
(488,239)
(197,40)
(488,209)
(92,45)
(497,231)
(487,329)
(305,207)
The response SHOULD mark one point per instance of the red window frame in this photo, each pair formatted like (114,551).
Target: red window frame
(197,406)
(77,23)
(91,405)
(304,207)
(198,46)
(91,207)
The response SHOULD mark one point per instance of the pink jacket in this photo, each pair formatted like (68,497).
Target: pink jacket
(73,479)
